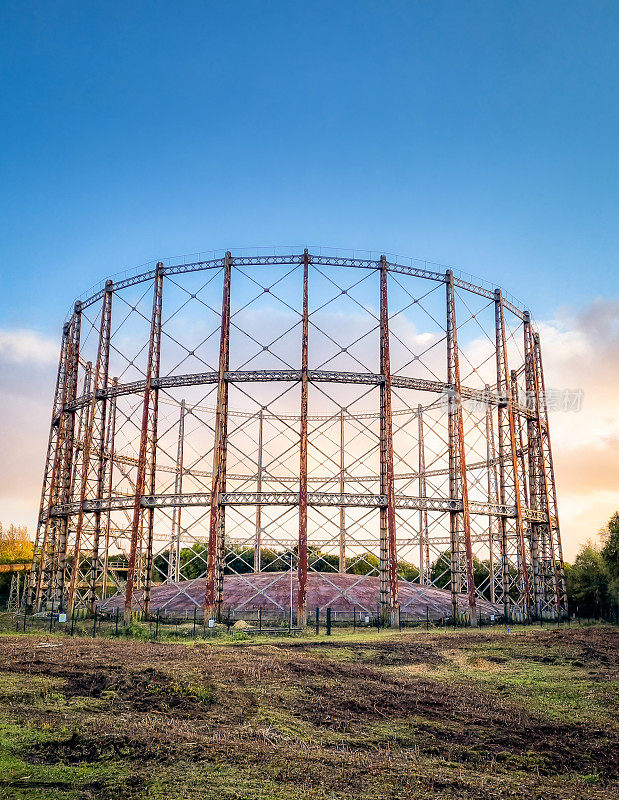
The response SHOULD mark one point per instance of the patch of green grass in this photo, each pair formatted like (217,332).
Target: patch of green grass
(554,688)
(19,777)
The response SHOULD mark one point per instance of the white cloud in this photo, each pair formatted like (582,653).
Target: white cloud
(22,346)
(581,351)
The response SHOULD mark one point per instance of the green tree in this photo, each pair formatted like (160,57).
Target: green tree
(15,545)
(440,572)
(364,565)
(587,580)
(610,555)
(408,571)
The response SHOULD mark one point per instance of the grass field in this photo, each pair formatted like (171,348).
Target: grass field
(440,714)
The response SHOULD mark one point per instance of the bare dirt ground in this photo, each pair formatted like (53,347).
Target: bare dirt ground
(467,714)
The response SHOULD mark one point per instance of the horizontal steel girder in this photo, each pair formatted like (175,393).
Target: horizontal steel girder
(331,261)
(440,504)
(293,376)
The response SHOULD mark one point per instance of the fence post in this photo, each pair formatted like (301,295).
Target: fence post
(317,620)
(328,620)
(117,613)
(72,620)
(354,618)
(94,627)
(51,617)
(260,620)
(195,612)
(427,618)
(157,626)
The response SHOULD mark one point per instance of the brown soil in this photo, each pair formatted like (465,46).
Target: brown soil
(168,702)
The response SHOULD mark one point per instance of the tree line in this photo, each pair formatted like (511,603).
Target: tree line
(592,580)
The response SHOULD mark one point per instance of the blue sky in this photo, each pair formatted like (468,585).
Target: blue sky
(480,135)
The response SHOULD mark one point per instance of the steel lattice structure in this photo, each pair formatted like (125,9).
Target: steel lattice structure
(343,414)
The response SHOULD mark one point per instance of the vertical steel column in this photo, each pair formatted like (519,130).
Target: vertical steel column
(537,500)
(49,492)
(151,452)
(148,442)
(100,431)
(503,532)
(547,489)
(302,554)
(520,440)
(388,543)
(504,388)
(75,480)
(528,489)
(555,540)
(175,539)
(93,445)
(82,426)
(110,439)
(424,544)
(214,579)
(457,456)
(342,556)
(68,456)
(258,533)
(493,491)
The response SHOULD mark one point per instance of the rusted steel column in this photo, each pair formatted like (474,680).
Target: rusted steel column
(100,435)
(175,538)
(151,450)
(457,455)
(66,471)
(258,532)
(216,543)
(504,388)
(302,555)
(342,556)
(522,454)
(93,442)
(110,439)
(49,492)
(148,439)
(538,498)
(547,489)
(555,531)
(493,492)
(383,564)
(73,478)
(530,531)
(424,544)
(387,480)
(501,415)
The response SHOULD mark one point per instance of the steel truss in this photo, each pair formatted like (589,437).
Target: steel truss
(264,456)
